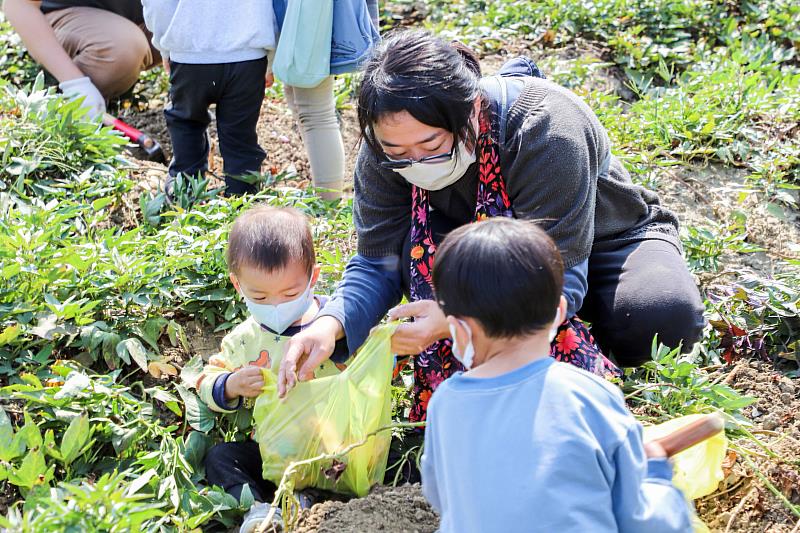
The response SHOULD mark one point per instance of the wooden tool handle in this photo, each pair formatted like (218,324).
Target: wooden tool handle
(688,436)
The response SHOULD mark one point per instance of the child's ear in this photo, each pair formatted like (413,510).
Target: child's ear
(315,275)
(235,282)
(562,309)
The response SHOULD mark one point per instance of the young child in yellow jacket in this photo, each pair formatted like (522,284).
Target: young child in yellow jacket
(273,267)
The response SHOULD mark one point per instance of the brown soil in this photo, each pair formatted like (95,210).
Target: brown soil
(712,197)
(743,502)
(702,196)
(387,509)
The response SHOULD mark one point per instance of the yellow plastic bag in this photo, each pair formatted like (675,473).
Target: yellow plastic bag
(325,415)
(696,471)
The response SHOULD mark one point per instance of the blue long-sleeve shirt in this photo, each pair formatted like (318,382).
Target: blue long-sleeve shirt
(373,285)
(547,447)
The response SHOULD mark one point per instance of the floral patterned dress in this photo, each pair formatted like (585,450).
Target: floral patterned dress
(573,342)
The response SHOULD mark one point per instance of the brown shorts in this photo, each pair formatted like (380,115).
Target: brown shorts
(108,48)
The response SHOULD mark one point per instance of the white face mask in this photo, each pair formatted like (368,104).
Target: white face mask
(435,176)
(468,355)
(466,358)
(279,317)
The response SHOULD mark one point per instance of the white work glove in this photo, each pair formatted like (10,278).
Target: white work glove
(93,101)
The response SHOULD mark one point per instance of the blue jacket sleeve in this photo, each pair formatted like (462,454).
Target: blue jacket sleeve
(644,498)
(369,288)
(575,286)
(430,487)
(218,394)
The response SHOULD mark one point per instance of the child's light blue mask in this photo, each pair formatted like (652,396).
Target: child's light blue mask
(279,317)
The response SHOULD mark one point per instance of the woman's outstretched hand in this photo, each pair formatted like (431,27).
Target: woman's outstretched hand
(429,326)
(306,351)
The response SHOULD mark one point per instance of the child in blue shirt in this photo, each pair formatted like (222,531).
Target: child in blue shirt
(521,442)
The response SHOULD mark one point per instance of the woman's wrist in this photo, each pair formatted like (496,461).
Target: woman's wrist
(331,325)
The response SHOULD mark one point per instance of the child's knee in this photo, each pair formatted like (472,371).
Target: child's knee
(217,460)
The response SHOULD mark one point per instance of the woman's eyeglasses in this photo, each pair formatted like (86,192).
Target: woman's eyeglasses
(397,164)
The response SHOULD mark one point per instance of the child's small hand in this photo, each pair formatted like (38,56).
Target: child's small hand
(269,80)
(247,382)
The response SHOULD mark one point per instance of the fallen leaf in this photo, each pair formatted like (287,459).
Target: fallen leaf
(161,370)
(728,462)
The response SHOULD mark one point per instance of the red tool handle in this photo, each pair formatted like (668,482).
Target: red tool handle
(129,131)
(136,136)
(688,436)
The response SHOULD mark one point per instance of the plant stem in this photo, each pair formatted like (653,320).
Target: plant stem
(789,505)
(281,491)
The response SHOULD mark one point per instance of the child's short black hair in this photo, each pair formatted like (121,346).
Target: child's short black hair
(270,238)
(507,274)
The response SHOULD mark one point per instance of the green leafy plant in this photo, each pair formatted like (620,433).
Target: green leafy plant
(48,147)
(670,384)
(704,247)
(757,317)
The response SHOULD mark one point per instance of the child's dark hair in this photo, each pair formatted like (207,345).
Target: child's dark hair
(507,274)
(269,239)
(435,81)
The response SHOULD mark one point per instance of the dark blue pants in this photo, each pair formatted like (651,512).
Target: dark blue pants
(238,90)
(232,465)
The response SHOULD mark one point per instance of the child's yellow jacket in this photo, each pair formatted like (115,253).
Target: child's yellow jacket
(248,344)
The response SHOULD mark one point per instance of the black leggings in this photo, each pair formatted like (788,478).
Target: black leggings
(636,290)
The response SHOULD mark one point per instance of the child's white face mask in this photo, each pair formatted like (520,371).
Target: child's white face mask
(468,355)
(466,358)
(279,317)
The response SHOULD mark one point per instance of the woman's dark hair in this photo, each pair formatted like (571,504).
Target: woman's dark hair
(435,81)
(505,273)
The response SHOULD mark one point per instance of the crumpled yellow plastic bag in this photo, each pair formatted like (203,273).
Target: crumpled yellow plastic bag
(696,471)
(325,415)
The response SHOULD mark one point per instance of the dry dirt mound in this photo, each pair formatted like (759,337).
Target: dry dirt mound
(385,509)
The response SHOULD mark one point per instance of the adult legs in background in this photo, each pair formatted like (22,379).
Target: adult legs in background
(238,109)
(232,465)
(315,111)
(110,49)
(639,290)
